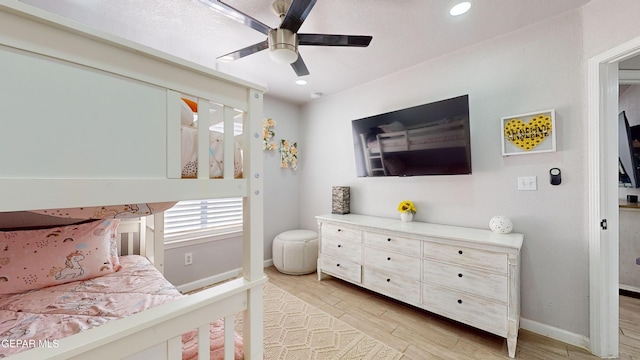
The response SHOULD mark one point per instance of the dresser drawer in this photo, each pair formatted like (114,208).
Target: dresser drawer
(341,232)
(484,314)
(393,285)
(342,269)
(469,280)
(492,261)
(393,243)
(342,249)
(407,266)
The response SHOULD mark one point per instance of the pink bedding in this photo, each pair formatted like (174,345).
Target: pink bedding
(42,317)
(126,211)
(189,155)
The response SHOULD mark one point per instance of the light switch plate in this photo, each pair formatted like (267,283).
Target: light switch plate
(527,183)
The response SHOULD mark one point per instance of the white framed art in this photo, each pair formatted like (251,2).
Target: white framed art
(529,133)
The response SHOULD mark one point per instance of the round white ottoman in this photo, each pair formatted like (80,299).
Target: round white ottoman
(295,252)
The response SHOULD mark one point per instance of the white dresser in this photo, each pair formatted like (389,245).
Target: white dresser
(469,275)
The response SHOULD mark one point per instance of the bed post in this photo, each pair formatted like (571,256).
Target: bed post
(174,142)
(154,244)
(252,258)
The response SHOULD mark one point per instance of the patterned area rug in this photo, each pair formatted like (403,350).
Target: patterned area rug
(295,329)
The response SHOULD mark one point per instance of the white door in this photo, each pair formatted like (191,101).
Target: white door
(603,197)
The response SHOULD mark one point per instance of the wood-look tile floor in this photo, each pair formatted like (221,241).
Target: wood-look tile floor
(421,335)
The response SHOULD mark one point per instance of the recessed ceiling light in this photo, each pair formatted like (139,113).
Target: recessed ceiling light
(301,82)
(316,95)
(460,8)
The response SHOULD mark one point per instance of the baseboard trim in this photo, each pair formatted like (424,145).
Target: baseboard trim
(208,281)
(629,288)
(565,336)
(211,280)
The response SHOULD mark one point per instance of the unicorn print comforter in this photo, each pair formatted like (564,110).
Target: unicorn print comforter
(42,317)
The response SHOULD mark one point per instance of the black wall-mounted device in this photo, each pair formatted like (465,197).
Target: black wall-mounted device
(554,176)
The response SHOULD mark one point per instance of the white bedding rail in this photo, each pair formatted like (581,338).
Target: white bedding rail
(89,119)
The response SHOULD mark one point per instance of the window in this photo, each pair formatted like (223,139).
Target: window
(196,219)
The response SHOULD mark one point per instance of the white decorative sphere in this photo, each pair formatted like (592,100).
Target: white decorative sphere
(500,224)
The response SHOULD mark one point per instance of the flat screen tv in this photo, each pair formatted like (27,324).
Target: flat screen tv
(428,139)
(628,153)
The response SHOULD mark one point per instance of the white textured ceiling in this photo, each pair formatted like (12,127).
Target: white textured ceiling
(405,33)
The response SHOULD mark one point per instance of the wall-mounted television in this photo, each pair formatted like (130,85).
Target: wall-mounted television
(428,139)
(628,152)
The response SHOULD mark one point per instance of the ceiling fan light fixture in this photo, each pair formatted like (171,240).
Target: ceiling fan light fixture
(460,8)
(283,41)
(283,46)
(283,55)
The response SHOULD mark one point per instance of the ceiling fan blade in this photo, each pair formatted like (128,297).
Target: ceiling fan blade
(299,67)
(296,15)
(245,51)
(237,15)
(334,40)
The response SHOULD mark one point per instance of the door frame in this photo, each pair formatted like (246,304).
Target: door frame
(602,103)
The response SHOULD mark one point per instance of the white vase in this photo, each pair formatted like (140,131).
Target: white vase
(500,224)
(406,216)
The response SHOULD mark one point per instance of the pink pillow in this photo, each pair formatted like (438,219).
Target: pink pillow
(33,259)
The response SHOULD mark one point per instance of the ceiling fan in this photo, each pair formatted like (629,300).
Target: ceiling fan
(283,41)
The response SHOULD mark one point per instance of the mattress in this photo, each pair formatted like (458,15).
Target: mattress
(41,317)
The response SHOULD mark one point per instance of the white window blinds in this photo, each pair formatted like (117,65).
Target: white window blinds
(194,219)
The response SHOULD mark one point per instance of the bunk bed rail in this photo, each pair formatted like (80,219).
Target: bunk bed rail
(91,114)
(156,333)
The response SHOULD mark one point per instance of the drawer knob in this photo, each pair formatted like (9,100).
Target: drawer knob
(389,258)
(459,301)
(337,264)
(339,230)
(388,280)
(339,245)
(459,275)
(388,239)
(460,252)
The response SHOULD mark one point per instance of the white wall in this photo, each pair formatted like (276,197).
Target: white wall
(536,68)
(209,259)
(281,186)
(608,23)
(630,103)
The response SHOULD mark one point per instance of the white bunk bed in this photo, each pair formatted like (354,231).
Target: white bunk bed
(88,119)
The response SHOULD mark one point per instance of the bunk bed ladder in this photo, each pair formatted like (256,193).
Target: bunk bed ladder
(373,161)
(379,158)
